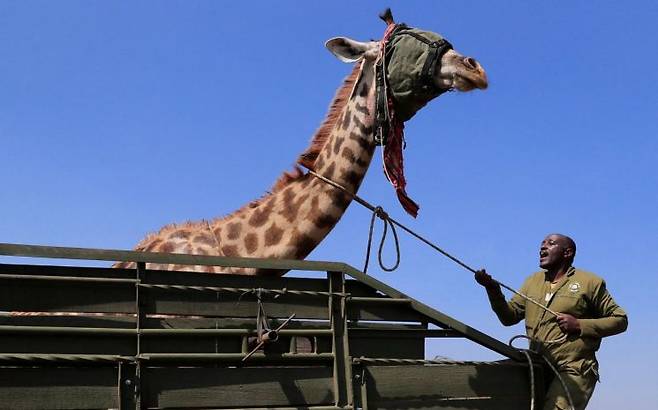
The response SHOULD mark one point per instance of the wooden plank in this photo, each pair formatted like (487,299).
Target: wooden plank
(477,386)
(236,387)
(58,388)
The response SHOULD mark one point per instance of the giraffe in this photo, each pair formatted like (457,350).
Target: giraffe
(300,210)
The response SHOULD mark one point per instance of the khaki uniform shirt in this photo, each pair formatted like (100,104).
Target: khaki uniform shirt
(580,294)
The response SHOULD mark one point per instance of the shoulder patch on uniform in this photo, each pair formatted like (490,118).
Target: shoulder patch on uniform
(574,287)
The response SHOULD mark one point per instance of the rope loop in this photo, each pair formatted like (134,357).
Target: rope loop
(526,352)
(379,212)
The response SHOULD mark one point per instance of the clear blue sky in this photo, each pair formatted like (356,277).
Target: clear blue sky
(119,117)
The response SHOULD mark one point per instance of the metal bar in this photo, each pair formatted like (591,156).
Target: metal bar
(104,331)
(67,278)
(275,408)
(58,252)
(342,374)
(235,357)
(56,330)
(355,299)
(140,269)
(127,386)
(76,358)
(413,333)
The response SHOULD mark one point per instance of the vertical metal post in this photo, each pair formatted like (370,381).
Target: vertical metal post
(139,317)
(126,386)
(343,394)
(364,388)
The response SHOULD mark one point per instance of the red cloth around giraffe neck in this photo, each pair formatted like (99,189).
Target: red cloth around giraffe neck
(393,160)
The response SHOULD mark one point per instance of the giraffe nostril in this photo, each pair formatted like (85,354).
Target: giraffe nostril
(471,63)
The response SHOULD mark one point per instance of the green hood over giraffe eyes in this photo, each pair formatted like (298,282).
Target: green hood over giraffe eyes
(411,59)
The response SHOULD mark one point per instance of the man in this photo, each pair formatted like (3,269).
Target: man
(586,313)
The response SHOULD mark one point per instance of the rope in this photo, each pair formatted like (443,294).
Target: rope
(526,352)
(391,361)
(242,291)
(393,222)
(381,214)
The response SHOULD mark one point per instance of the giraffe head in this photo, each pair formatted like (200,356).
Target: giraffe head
(418,65)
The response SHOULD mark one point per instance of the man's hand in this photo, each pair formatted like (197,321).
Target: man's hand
(568,323)
(484,279)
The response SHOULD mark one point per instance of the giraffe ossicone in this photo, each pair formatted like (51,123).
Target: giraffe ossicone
(297,214)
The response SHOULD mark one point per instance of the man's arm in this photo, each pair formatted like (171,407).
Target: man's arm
(509,313)
(609,318)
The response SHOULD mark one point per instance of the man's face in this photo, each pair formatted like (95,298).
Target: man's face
(553,252)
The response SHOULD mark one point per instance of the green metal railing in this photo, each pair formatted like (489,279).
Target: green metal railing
(334,329)
(394,296)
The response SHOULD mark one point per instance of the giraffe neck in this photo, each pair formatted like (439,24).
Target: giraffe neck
(291,222)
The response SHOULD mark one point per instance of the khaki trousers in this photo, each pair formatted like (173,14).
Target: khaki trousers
(580,386)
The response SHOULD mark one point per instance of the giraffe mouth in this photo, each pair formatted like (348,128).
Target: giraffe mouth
(470,82)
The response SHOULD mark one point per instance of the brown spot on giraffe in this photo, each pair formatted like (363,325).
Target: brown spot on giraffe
(205,239)
(364,129)
(234,230)
(348,154)
(363,90)
(362,109)
(303,243)
(291,206)
(251,243)
(230,250)
(364,144)
(352,178)
(337,144)
(339,198)
(166,247)
(180,234)
(262,214)
(321,220)
(346,120)
(273,235)
(329,172)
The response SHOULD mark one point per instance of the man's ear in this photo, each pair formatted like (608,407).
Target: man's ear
(568,252)
(350,51)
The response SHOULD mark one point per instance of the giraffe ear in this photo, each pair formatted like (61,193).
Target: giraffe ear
(350,51)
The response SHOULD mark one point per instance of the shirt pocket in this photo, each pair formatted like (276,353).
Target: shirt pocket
(568,302)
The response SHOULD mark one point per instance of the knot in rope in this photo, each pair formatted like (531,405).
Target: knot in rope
(379,212)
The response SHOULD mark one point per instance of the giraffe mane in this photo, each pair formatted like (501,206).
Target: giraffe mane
(320,138)
(307,158)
